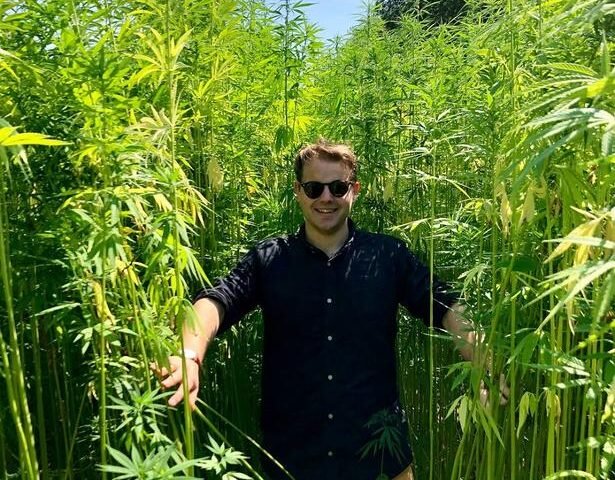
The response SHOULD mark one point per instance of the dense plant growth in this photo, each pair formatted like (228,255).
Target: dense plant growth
(145,145)
(434,12)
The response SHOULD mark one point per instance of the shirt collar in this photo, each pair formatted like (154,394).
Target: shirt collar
(352,231)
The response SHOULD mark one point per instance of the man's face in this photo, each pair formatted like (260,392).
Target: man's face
(326,214)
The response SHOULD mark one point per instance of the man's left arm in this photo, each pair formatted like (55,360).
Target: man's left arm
(461,330)
(469,344)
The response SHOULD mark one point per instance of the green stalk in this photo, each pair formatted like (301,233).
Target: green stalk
(13,369)
(103,371)
(431,312)
(69,457)
(600,399)
(468,472)
(565,335)
(38,381)
(103,286)
(550,453)
(513,326)
(589,405)
(285,50)
(15,413)
(179,293)
(534,441)
(514,460)
(134,303)
(3,464)
(495,308)
(459,456)
(59,403)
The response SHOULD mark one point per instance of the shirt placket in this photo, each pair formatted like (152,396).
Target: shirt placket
(329,338)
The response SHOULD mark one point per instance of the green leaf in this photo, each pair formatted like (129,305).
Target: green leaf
(527,406)
(283,137)
(521,263)
(604,86)
(608,142)
(122,459)
(577,278)
(573,68)
(29,139)
(570,473)
(607,458)
(604,300)
(585,240)
(64,306)
(525,348)
(464,408)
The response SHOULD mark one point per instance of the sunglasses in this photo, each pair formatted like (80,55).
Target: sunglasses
(338,188)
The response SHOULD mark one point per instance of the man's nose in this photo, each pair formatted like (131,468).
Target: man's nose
(326,194)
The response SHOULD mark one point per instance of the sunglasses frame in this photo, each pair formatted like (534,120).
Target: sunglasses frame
(322,186)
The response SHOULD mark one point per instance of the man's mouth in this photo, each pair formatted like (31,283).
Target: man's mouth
(325,210)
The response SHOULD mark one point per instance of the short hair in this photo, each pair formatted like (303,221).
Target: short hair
(335,152)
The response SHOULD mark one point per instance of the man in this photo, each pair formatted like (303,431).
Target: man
(329,296)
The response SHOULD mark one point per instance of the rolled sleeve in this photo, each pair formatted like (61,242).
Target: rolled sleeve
(415,286)
(237,292)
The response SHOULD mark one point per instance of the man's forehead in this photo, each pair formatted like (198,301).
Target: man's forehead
(324,165)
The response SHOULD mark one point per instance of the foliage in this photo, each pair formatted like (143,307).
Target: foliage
(434,12)
(144,145)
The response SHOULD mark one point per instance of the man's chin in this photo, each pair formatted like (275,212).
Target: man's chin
(329,228)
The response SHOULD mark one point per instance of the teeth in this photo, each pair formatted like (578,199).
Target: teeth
(325,210)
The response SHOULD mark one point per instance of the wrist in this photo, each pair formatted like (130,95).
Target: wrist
(190,354)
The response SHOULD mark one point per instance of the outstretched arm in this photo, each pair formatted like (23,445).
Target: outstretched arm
(196,338)
(216,309)
(461,330)
(468,342)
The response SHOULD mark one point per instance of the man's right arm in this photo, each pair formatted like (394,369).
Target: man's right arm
(196,339)
(217,309)
(209,315)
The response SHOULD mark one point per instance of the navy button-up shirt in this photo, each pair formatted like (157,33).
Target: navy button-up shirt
(329,360)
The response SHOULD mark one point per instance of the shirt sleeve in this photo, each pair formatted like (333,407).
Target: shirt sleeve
(237,292)
(413,282)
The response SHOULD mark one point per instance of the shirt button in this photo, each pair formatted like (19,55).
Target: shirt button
(329,300)
(330,416)
(330,377)
(329,338)
(328,264)
(330,453)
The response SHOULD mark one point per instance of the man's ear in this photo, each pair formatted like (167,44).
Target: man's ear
(356,188)
(296,187)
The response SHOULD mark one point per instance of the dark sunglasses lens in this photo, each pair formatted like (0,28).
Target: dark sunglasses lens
(313,189)
(338,188)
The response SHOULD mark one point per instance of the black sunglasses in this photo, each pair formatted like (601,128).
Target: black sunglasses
(338,188)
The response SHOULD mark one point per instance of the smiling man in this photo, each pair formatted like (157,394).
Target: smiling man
(329,295)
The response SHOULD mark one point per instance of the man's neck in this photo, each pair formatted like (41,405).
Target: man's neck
(329,243)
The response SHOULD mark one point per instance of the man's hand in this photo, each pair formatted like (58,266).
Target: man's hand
(504,392)
(467,341)
(407,474)
(196,336)
(173,376)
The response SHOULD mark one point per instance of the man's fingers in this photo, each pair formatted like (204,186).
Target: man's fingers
(406,474)
(503,393)
(503,385)
(177,397)
(157,369)
(192,398)
(484,395)
(162,372)
(173,379)
(504,390)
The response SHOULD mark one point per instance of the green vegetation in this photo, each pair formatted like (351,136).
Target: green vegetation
(162,146)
